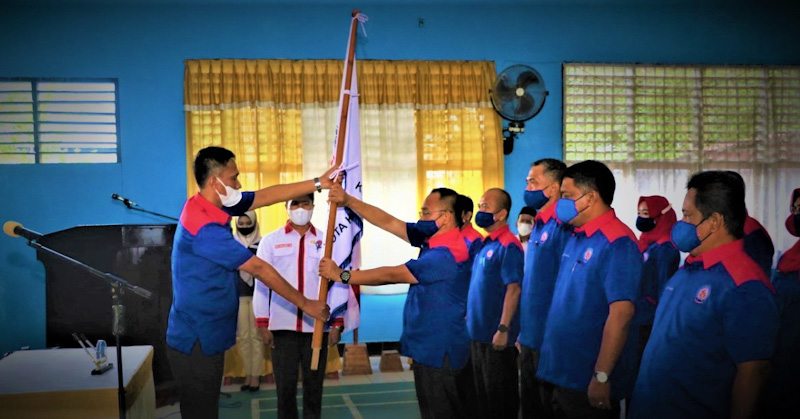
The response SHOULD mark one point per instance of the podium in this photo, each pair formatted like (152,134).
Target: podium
(77,302)
(56,383)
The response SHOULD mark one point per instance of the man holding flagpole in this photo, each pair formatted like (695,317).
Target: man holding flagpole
(434,330)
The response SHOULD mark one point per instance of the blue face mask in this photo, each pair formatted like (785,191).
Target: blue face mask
(645,224)
(535,199)
(567,209)
(484,219)
(684,235)
(427,227)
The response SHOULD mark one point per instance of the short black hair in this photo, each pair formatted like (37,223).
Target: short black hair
(464,204)
(527,210)
(209,159)
(594,175)
(721,192)
(309,196)
(552,167)
(450,198)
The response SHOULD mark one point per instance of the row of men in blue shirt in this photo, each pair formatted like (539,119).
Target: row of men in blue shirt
(714,329)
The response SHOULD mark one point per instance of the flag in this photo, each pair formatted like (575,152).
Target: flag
(349,225)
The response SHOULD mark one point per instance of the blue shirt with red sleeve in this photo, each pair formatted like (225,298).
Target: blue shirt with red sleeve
(545,246)
(497,265)
(717,311)
(433,317)
(601,264)
(205,259)
(758,244)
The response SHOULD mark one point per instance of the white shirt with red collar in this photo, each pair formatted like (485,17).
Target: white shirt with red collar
(296,258)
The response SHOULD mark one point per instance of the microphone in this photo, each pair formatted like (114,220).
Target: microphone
(15,229)
(128,203)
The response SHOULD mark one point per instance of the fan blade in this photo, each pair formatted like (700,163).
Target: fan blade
(524,107)
(526,78)
(503,90)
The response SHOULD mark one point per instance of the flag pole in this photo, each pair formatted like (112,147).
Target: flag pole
(316,343)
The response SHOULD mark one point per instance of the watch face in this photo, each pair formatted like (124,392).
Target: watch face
(601,377)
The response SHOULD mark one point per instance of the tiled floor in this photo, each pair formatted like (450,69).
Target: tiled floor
(377,377)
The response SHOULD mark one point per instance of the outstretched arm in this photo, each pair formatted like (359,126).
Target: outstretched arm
(377,276)
(284,192)
(372,214)
(272,279)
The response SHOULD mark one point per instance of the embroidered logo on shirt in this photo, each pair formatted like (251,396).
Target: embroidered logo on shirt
(587,254)
(283,245)
(543,237)
(489,254)
(702,294)
(318,243)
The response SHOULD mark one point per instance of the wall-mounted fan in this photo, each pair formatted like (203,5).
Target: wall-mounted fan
(518,95)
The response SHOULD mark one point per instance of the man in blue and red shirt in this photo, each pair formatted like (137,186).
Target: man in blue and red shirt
(492,318)
(434,330)
(716,322)
(464,209)
(587,352)
(205,264)
(542,260)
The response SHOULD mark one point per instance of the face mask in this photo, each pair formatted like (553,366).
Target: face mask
(793,224)
(246,231)
(645,224)
(231,197)
(484,219)
(300,216)
(524,229)
(427,227)
(535,199)
(684,235)
(567,209)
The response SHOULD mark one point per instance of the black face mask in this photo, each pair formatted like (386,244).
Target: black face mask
(645,224)
(246,230)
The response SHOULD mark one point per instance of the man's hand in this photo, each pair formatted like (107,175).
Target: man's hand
(334,336)
(599,394)
(266,336)
(329,269)
(325,178)
(499,340)
(338,196)
(316,309)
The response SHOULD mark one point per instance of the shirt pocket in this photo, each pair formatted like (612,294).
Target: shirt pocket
(283,249)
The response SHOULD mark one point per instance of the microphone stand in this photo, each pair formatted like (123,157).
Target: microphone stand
(135,207)
(118,285)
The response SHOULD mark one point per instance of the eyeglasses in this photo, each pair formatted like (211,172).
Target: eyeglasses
(425,213)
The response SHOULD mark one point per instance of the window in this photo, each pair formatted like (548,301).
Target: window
(655,125)
(58,121)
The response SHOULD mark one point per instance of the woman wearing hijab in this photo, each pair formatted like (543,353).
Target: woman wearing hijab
(782,387)
(660,256)
(248,341)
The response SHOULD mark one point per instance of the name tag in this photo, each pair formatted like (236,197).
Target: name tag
(283,245)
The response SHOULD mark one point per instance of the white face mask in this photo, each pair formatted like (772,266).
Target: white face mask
(524,229)
(300,216)
(231,197)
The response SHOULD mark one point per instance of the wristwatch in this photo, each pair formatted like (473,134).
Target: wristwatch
(502,328)
(318,184)
(601,377)
(345,277)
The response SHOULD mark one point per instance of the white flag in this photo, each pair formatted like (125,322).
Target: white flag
(349,225)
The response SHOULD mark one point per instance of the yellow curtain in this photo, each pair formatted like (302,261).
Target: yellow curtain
(254,108)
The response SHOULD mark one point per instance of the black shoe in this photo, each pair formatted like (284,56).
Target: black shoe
(255,389)
(247,388)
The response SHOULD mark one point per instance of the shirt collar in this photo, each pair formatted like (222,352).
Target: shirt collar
(592,226)
(546,214)
(495,234)
(288,228)
(444,238)
(718,254)
(216,213)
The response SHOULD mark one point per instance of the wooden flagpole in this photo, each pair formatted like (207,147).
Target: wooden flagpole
(319,326)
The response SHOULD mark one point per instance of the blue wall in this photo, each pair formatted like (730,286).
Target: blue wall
(144,47)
